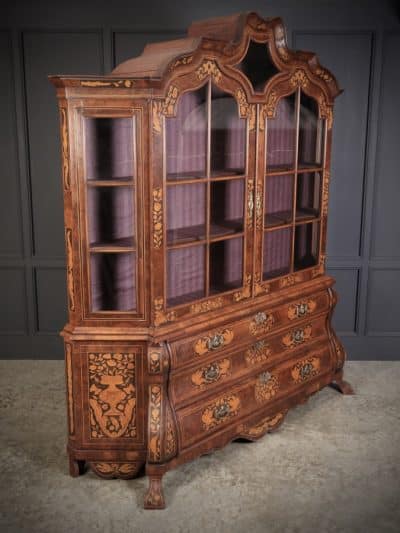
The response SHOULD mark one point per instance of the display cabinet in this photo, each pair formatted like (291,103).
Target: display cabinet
(195,185)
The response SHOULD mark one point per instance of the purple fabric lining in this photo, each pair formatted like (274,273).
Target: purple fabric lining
(113,281)
(186,205)
(306,245)
(308,132)
(308,191)
(277,249)
(228,136)
(278,193)
(109,148)
(185,274)
(111,215)
(227,201)
(186,135)
(226,264)
(281,135)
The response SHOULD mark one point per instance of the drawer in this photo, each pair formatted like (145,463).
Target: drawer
(198,421)
(187,385)
(254,326)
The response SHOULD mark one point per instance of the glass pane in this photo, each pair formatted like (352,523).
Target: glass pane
(185,274)
(308,195)
(186,137)
(109,148)
(257,65)
(310,133)
(281,136)
(228,135)
(306,245)
(276,253)
(226,265)
(113,281)
(278,200)
(111,216)
(186,213)
(227,207)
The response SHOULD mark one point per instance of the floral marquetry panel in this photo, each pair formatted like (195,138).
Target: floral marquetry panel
(112,395)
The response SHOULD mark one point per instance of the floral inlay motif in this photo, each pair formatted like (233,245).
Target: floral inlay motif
(112,395)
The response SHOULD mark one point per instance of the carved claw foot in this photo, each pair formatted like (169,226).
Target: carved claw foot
(154,497)
(339,384)
(76,468)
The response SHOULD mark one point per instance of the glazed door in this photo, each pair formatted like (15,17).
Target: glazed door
(110,185)
(207,175)
(289,185)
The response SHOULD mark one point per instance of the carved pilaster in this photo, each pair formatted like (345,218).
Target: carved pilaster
(70,270)
(162,433)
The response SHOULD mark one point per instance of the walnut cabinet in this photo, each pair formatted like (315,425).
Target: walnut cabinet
(195,185)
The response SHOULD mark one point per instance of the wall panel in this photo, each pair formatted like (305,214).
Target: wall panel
(359,41)
(128,44)
(386,220)
(10,210)
(383,301)
(348,55)
(345,316)
(51,53)
(51,301)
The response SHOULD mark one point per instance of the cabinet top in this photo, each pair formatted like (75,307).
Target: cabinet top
(223,39)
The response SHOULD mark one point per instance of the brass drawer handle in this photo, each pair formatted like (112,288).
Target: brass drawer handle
(297,336)
(218,411)
(211,373)
(213,342)
(301,309)
(261,323)
(264,377)
(306,369)
(221,411)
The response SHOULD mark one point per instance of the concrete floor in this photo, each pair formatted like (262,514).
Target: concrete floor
(334,466)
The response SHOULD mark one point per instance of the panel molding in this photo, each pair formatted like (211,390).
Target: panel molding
(9,36)
(378,149)
(371,332)
(25,331)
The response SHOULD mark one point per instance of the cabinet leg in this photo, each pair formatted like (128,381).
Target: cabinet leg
(339,384)
(76,468)
(154,497)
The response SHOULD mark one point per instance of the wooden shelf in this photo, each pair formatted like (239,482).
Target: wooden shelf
(125,244)
(301,169)
(284,218)
(197,234)
(114,182)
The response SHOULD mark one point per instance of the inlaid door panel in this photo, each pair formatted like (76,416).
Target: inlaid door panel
(112,398)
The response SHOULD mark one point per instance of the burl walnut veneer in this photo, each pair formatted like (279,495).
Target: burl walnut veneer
(195,185)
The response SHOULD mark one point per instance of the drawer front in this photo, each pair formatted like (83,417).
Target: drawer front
(255,326)
(188,385)
(196,422)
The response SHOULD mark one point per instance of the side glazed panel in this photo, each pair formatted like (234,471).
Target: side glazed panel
(111,189)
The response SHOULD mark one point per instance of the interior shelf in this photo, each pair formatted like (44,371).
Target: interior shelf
(194,234)
(281,218)
(186,234)
(116,245)
(114,182)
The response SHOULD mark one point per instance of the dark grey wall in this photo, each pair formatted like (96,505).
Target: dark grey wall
(358,40)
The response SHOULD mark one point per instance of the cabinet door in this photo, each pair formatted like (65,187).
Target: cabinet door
(110,225)
(290,184)
(112,395)
(206,175)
